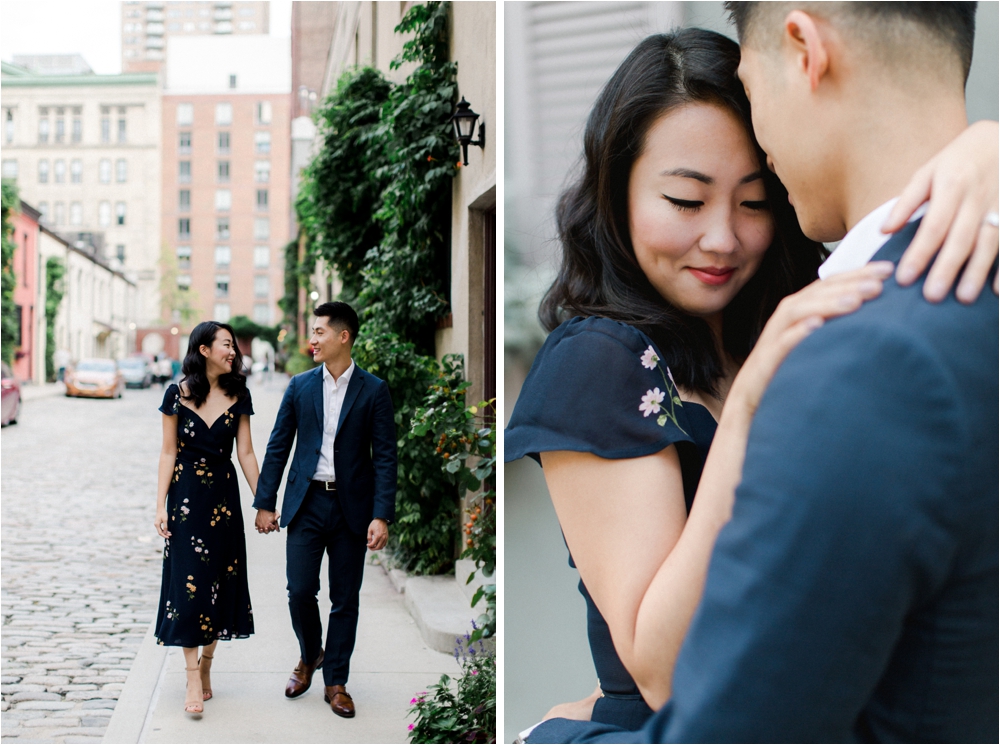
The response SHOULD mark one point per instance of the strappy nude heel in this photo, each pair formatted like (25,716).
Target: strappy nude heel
(193,706)
(206,689)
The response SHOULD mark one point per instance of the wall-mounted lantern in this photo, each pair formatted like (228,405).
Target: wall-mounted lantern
(464,120)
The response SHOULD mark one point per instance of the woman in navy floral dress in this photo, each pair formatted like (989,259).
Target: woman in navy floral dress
(204,595)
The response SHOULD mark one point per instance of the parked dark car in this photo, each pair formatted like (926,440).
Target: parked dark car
(10,408)
(137,371)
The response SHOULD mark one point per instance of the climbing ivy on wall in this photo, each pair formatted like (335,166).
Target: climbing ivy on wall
(8,311)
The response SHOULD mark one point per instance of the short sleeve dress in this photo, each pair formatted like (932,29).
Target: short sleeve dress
(204,594)
(600,386)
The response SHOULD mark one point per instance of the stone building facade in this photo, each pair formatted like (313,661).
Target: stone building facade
(85,150)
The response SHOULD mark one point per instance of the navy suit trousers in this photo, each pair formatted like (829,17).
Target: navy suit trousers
(319,526)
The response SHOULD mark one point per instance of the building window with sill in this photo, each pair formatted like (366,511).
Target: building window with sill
(120,213)
(184,143)
(222,228)
(222,285)
(184,172)
(184,228)
(223,172)
(184,257)
(261,257)
(223,255)
(262,200)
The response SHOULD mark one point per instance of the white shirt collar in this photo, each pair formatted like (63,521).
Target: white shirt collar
(342,380)
(863,241)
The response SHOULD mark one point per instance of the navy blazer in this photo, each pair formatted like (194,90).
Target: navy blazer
(364,451)
(854,595)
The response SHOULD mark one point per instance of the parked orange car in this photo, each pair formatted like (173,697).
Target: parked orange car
(96,378)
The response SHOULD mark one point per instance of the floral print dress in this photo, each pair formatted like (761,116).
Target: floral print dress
(204,595)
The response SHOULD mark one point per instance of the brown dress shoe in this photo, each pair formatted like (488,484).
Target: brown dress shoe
(302,677)
(340,701)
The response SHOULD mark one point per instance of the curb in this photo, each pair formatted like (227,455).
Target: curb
(137,700)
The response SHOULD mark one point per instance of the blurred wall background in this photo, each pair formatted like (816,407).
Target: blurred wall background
(557,56)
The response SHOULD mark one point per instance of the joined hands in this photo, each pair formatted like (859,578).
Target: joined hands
(267,522)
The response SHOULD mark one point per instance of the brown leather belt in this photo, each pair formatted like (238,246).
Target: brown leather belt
(326,485)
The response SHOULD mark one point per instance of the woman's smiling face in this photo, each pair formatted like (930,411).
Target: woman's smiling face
(698,219)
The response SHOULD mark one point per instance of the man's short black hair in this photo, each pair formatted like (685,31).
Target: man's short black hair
(954,24)
(339,314)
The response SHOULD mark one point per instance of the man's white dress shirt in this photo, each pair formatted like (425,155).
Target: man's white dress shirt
(863,241)
(334,391)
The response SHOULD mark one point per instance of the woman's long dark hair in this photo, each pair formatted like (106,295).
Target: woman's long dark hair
(600,276)
(233,383)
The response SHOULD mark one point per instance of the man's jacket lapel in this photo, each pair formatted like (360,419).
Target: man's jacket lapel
(353,389)
(317,397)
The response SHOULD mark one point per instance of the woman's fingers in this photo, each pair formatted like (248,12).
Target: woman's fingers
(954,253)
(838,295)
(978,269)
(935,226)
(917,191)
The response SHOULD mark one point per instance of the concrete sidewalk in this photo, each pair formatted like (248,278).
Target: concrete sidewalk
(391,662)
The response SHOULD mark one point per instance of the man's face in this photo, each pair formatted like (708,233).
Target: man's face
(794,131)
(328,342)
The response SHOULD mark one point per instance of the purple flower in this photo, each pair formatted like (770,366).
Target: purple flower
(410,728)
(475,672)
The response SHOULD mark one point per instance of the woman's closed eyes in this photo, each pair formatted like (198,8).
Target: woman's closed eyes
(688,205)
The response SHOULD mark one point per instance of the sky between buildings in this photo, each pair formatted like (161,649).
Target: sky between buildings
(90,27)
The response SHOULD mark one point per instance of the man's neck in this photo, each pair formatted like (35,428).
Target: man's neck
(338,367)
(890,144)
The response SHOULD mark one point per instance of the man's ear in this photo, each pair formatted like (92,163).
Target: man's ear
(809,46)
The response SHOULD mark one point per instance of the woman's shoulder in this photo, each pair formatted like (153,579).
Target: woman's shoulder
(598,330)
(171,400)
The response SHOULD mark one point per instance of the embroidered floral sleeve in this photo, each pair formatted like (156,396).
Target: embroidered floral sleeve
(171,401)
(653,401)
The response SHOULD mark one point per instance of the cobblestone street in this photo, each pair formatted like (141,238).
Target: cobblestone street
(81,560)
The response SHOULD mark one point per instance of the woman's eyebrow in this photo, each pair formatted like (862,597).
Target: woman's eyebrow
(706,179)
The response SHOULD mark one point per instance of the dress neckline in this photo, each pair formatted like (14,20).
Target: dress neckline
(195,411)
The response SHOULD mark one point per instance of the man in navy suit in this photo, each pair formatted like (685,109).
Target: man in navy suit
(853,596)
(339,498)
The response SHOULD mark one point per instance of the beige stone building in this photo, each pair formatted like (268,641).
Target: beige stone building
(96,317)
(85,150)
(226,120)
(148,27)
(364,34)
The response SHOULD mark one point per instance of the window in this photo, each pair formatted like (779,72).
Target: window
(223,200)
(262,141)
(223,143)
(105,128)
(184,228)
(223,171)
(261,228)
(8,125)
(223,114)
(184,200)
(121,170)
(43,129)
(10,169)
(221,312)
(262,314)
(223,254)
(184,172)
(222,227)
(261,286)
(43,172)
(185,114)
(43,207)
(184,143)
(222,285)
(262,171)
(262,200)
(264,112)
(60,128)
(75,213)
(60,170)
(232,81)
(183,281)
(122,138)
(120,252)
(59,214)
(261,257)
(104,214)
(76,171)
(77,128)
(120,213)
(184,257)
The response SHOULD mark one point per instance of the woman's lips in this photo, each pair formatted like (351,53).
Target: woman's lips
(712,275)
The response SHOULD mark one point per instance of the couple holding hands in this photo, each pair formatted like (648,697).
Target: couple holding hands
(340,498)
